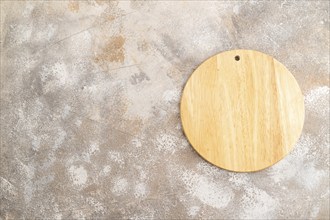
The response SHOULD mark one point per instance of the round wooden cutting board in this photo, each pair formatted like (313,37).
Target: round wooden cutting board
(242,110)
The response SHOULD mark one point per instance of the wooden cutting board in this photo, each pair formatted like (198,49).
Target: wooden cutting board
(242,110)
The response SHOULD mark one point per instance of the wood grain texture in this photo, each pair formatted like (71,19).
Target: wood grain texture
(242,115)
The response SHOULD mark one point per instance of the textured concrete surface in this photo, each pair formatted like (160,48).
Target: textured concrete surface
(90,123)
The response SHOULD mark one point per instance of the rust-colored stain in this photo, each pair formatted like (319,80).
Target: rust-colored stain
(113,51)
(73,6)
(109,17)
(100,2)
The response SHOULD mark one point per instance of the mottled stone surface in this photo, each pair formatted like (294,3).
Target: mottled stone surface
(90,124)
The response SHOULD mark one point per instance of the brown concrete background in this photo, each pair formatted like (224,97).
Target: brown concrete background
(90,123)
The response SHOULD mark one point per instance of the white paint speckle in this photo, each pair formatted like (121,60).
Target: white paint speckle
(97,206)
(7,189)
(92,150)
(136,142)
(206,190)
(257,204)
(80,44)
(239,179)
(105,171)
(236,9)
(315,211)
(35,143)
(20,33)
(167,143)
(94,147)
(58,216)
(140,190)
(309,177)
(170,96)
(78,175)
(45,34)
(66,111)
(317,101)
(78,214)
(288,168)
(193,211)
(78,123)
(60,139)
(28,9)
(120,186)
(56,76)
(116,157)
